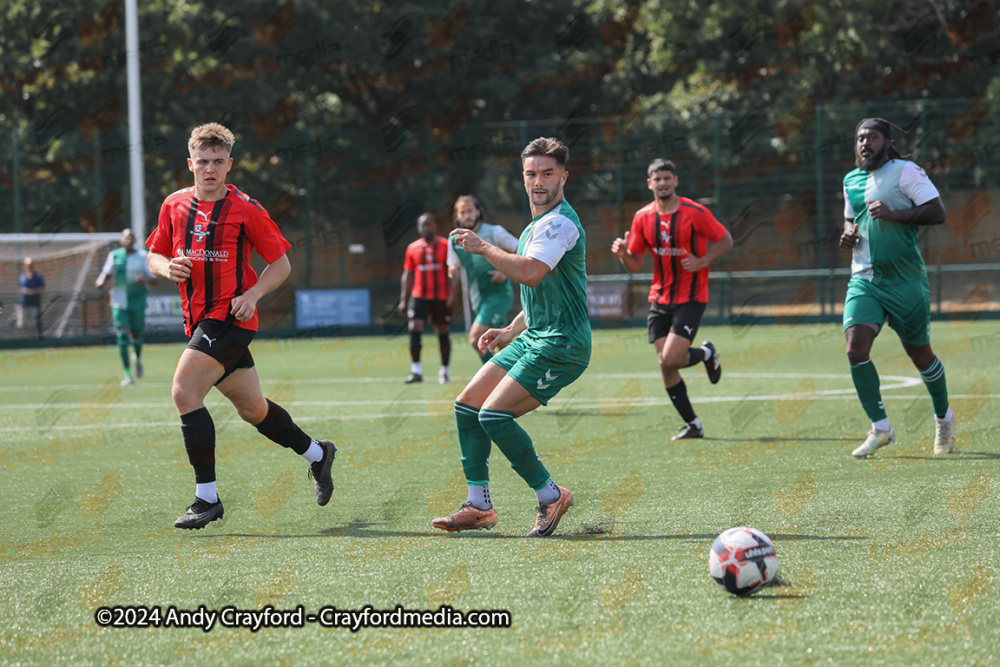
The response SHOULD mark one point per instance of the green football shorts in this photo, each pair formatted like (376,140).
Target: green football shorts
(542,368)
(132,320)
(492,311)
(906,306)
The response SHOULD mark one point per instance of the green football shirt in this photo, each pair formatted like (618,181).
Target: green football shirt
(124,268)
(888,252)
(555,311)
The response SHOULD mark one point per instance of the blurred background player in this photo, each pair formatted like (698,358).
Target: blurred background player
(490,291)
(202,242)
(30,285)
(129,270)
(426,293)
(886,200)
(544,349)
(675,230)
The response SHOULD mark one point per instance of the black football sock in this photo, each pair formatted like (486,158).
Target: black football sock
(199,441)
(279,427)
(444,342)
(697,356)
(679,397)
(415,344)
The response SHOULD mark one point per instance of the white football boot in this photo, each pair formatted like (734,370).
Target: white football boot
(876,439)
(944,436)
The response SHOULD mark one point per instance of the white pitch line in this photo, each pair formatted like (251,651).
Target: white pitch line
(167,385)
(394,380)
(902,380)
(557,403)
(901,383)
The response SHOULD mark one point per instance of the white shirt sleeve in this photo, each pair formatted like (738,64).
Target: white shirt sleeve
(848,209)
(505,240)
(915,184)
(109,265)
(551,239)
(145,261)
(452,255)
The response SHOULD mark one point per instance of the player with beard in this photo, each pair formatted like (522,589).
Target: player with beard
(426,293)
(489,289)
(542,351)
(675,230)
(886,201)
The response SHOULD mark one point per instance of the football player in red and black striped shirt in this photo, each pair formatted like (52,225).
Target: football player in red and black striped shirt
(426,292)
(676,231)
(202,242)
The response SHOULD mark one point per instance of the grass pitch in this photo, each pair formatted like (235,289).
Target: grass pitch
(891,560)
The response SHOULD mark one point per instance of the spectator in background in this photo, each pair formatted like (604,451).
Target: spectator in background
(29,306)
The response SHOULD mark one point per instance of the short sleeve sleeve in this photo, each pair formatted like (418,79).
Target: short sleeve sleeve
(409,261)
(505,240)
(160,240)
(551,240)
(849,212)
(637,244)
(916,185)
(706,225)
(264,234)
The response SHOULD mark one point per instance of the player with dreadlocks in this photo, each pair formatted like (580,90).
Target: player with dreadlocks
(886,199)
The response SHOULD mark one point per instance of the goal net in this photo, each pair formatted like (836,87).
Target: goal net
(71,306)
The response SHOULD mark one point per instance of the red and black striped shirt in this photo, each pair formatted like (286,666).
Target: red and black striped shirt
(429,264)
(218,236)
(670,238)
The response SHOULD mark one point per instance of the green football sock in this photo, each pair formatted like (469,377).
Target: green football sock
(123,353)
(137,346)
(934,380)
(516,445)
(475,445)
(867,385)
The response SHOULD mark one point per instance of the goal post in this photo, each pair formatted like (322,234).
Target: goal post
(69,264)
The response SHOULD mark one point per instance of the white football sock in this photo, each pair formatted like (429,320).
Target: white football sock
(548,494)
(415,367)
(696,422)
(207,492)
(882,424)
(479,496)
(314,454)
(948,416)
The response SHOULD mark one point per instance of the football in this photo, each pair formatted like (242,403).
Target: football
(743,560)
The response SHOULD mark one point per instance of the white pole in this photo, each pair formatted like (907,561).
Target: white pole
(466,308)
(137,181)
